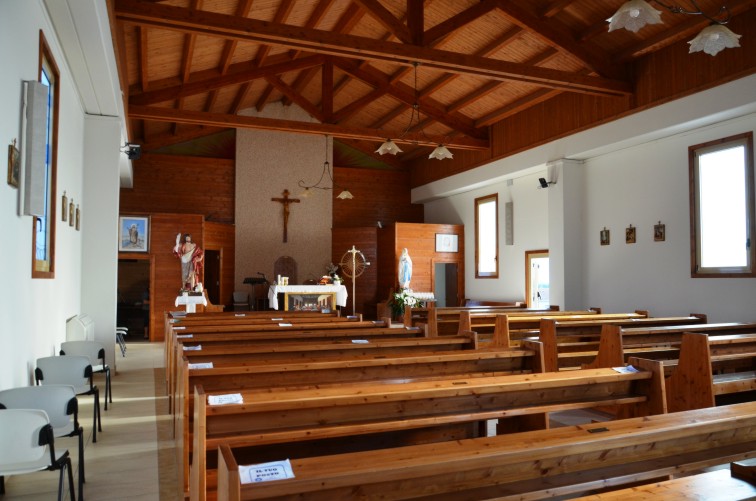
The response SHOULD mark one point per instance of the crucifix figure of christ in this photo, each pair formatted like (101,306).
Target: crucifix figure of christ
(285,201)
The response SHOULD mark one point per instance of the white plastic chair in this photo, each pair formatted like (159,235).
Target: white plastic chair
(29,446)
(95,351)
(120,333)
(62,408)
(72,370)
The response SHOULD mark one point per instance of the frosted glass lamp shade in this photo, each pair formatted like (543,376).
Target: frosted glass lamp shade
(714,39)
(634,15)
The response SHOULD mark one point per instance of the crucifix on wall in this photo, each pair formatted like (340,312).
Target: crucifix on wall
(285,201)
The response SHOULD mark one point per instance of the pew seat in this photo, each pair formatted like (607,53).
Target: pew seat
(529,465)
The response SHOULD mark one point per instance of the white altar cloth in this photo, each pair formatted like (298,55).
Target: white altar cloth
(274,290)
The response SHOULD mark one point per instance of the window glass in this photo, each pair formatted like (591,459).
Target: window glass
(722,207)
(487,237)
(43,241)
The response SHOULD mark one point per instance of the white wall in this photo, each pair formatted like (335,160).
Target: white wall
(33,313)
(632,171)
(641,186)
(530,233)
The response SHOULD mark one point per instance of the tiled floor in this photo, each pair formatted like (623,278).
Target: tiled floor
(134,455)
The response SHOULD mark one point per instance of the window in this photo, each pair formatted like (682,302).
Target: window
(722,207)
(487,237)
(43,239)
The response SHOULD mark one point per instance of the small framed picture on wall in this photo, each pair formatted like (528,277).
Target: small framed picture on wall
(133,234)
(447,243)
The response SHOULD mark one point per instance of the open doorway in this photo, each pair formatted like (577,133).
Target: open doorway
(133,309)
(445,284)
(537,278)
(212,276)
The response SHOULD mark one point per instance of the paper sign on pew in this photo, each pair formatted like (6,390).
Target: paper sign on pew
(284,325)
(240,314)
(193,348)
(626,370)
(179,328)
(360,341)
(230,398)
(265,472)
(201,365)
(276,319)
(184,336)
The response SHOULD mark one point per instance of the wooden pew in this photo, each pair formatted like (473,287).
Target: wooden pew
(617,344)
(528,465)
(717,485)
(560,337)
(277,330)
(242,339)
(392,370)
(304,422)
(707,367)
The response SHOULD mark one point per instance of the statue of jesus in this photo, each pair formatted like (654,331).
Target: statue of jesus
(191,261)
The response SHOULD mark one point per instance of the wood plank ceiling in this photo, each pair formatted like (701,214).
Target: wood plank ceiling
(359,66)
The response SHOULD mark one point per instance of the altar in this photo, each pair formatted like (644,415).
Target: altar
(308,297)
(191,302)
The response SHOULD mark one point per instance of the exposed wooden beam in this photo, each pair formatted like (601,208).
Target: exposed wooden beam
(387,19)
(283,11)
(200,86)
(369,150)
(141,32)
(517,106)
(357,105)
(240,98)
(187,134)
(355,47)
(555,8)
(297,98)
(377,79)
(446,28)
(326,90)
(237,121)
(559,39)
(415,22)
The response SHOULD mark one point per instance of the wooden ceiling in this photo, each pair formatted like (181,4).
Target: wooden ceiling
(359,66)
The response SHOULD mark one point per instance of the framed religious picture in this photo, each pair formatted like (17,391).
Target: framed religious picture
(133,234)
(447,242)
(630,234)
(660,232)
(14,164)
(604,236)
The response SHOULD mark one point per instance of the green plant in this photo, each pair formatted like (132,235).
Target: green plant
(400,300)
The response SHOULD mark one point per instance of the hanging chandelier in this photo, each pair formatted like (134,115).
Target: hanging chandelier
(324,176)
(636,14)
(389,146)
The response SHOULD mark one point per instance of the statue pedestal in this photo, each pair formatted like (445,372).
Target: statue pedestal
(191,302)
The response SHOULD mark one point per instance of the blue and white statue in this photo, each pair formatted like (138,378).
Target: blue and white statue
(405,269)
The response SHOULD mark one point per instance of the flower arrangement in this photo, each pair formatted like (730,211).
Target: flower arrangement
(332,270)
(400,300)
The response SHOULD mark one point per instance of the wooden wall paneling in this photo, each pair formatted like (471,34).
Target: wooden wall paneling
(420,241)
(366,240)
(387,262)
(222,237)
(166,269)
(379,195)
(181,184)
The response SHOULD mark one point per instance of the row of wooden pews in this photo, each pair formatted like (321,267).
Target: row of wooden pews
(529,465)
(311,406)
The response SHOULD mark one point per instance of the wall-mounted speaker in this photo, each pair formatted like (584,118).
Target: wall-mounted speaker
(35,149)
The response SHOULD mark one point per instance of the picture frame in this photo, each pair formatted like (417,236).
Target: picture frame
(310,301)
(630,234)
(133,234)
(604,236)
(14,164)
(447,242)
(660,232)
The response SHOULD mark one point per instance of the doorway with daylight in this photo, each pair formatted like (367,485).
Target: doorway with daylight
(537,278)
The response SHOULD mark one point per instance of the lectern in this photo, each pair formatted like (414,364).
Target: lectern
(254,282)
